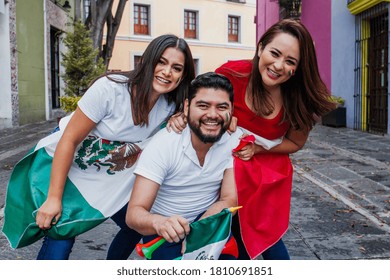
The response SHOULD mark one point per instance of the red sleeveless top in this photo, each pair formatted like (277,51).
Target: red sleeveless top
(238,73)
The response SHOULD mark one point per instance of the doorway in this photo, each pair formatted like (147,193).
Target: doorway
(377,94)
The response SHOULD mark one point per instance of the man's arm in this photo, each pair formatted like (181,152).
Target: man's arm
(139,218)
(228,196)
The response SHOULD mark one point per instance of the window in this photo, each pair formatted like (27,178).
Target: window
(233,28)
(190,24)
(87,9)
(55,67)
(137,59)
(141,19)
(196,66)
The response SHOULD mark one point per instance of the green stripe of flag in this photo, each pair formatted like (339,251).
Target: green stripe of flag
(27,190)
(211,230)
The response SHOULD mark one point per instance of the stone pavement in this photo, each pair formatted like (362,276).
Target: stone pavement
(340,203)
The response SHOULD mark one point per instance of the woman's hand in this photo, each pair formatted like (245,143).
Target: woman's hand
(177,122)
(48,214)
(247,152)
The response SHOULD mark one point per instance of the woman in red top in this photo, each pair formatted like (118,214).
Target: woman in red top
(278,95)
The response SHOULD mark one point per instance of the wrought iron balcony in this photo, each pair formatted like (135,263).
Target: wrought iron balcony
(290,9)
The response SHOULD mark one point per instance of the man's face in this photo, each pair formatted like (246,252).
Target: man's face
(209,114)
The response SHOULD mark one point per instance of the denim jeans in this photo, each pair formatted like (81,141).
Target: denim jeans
(125,240)
(278,251)
(120,249)
(54,249)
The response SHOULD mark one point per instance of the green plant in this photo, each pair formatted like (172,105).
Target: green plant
(69,103)
(339,100)
(80,64)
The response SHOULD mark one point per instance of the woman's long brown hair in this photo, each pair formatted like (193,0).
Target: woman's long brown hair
(305,95)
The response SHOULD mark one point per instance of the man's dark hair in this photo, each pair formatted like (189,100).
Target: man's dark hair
(210,80)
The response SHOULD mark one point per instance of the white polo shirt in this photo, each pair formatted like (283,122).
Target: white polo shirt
(186,188)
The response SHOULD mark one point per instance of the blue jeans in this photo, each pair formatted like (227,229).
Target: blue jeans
(120,249)
(278,251)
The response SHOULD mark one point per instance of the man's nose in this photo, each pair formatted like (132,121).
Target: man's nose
(212,112)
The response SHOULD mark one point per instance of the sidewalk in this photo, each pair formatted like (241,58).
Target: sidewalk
(340,203)
(341,197)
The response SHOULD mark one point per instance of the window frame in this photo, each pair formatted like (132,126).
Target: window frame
(234,26)
(188,32)
(141,22)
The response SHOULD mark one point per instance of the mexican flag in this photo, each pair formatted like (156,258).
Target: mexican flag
(99,184)
(208,237)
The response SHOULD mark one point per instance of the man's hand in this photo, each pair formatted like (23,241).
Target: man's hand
(173,229)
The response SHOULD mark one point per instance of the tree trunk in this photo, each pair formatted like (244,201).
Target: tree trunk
(113,24)
(101,14)
(77,10)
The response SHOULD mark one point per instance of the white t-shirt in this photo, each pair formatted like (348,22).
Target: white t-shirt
(107,103)
(186,188)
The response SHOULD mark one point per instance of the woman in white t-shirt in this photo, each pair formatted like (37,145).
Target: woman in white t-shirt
(127,108)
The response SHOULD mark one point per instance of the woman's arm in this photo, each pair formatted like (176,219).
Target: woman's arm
(291,143)
(77,129)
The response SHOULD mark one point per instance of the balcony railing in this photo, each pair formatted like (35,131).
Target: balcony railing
(290,9)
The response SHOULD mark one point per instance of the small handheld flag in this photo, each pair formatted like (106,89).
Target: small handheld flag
(208,238)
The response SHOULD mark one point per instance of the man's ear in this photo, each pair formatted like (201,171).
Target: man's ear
(186,107)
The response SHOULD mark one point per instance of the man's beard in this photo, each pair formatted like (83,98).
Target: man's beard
(195,127)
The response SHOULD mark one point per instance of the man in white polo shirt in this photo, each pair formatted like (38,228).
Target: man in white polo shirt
(187,176)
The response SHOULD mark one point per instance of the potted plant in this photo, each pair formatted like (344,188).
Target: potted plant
(80,64)
(338,116)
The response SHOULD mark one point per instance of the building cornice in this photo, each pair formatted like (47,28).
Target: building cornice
(189,41)
(358,6)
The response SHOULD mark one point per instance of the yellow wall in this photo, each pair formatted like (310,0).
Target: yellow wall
(211,48)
